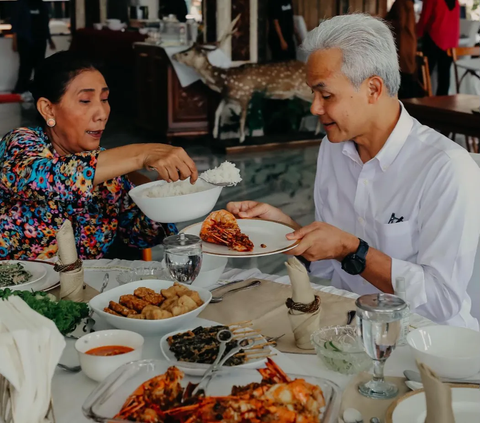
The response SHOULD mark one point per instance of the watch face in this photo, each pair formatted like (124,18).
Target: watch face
(354,265)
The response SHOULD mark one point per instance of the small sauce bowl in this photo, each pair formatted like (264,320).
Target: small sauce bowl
(98,367)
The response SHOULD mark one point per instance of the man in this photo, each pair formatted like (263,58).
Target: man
(30,36)
(393,198)
(281,30)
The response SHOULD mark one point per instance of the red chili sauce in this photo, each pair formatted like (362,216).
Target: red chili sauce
(109,350)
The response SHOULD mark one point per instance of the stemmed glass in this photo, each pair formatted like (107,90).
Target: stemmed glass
(379,326)
(183,257)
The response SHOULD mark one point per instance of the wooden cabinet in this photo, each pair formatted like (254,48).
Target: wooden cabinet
(162,104)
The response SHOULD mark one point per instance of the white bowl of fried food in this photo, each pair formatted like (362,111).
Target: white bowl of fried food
(150,307)
(175,202)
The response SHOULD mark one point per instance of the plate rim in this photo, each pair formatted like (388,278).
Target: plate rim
(394,404)
(245,254)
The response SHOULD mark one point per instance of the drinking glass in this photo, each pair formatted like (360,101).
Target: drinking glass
(379,326)
(183,257)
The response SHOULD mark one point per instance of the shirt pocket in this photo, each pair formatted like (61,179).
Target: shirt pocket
(395,239)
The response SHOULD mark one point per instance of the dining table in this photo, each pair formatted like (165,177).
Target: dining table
(70,390)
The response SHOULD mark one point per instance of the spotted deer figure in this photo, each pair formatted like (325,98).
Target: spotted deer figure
(282,80)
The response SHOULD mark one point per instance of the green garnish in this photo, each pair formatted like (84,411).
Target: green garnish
(13,274)
(65,314)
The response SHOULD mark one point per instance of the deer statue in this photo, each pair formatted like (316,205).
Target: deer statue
(282,80)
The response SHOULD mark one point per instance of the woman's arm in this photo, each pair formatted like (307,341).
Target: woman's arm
(171,163)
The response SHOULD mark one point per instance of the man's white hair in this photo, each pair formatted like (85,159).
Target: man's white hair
(367,45)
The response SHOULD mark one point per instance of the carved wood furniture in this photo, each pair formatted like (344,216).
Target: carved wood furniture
(162,104)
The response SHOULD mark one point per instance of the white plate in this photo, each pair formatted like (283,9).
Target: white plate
(146,327)
(412,409)
(271,234)
(199,369)
(38,271)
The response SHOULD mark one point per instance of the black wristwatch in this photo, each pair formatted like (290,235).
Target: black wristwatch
(355,263)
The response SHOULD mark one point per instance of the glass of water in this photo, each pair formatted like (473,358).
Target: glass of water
(379,326)
(183,257)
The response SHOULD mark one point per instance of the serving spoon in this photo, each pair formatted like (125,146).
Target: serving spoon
(219,299)
(217,184)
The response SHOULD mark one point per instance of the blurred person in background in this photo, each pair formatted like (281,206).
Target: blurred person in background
(281,30)
(30,35)
(402,19)
(174,7)
(439,27)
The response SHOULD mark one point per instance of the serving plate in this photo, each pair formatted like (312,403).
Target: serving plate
(411,408)
(272,235)
(199,369)
(37,270)
(109,396)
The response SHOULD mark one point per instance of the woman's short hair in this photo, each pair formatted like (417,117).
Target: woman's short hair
(55,73)
(367,45)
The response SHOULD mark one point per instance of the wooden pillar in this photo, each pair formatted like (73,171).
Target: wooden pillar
(79,14)
(103,11)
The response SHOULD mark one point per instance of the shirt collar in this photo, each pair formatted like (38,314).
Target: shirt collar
(392,146)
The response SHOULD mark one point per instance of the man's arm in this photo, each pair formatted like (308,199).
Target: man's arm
(278,30)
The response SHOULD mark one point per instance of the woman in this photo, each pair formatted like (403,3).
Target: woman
(439,25)
(58,171)
(30,36)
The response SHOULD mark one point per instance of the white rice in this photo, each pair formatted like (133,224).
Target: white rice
(174,189)
(227,172)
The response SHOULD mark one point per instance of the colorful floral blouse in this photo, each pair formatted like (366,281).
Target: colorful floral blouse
(40,189)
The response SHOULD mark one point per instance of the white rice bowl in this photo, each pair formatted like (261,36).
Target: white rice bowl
(175,202)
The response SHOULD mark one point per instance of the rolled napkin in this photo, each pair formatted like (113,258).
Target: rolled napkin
(438,397)
(69,265)
(304,306)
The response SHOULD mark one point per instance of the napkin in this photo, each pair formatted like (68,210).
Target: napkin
(30,349)
(71,282)
(438,397)
(303,324)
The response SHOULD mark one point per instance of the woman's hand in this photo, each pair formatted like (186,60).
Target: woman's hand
(171,163)
(254,209)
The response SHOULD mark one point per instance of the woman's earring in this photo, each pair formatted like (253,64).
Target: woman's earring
(51,122)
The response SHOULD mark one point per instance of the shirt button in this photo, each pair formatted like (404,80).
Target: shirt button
(361,220)
(365,181)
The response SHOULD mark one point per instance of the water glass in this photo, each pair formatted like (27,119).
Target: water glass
(183,257)
(379,326)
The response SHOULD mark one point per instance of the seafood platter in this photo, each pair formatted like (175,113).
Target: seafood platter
(152,391)
(223,235)
(150,307)
(195,349)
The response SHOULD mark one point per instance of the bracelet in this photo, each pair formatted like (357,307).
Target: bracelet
(304,308)
(62,268)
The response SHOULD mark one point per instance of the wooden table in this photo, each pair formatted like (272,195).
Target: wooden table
(447,114)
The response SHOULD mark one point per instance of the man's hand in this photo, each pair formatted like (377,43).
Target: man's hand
(283,45)
(254,209)
(321,241)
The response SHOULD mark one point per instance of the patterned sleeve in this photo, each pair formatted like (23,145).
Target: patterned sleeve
(136,229)
(29,170)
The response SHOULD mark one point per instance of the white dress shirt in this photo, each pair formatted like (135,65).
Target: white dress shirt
(433,184)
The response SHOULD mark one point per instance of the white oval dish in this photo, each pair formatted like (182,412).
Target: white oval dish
(38,272)
(146,327)
(99,367)
(179,208)
(199,369)
(449,351)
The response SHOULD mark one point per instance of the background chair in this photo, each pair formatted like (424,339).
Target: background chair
(468,32)
(423,74)
(456,54)
(473,288)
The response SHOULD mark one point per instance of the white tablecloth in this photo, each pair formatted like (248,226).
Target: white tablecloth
(70,390)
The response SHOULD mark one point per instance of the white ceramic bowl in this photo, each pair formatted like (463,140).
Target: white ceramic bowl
(114,26)
(180,208)
(146,327)
(98,26)
(99,367)
(211,270)
(448,350)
